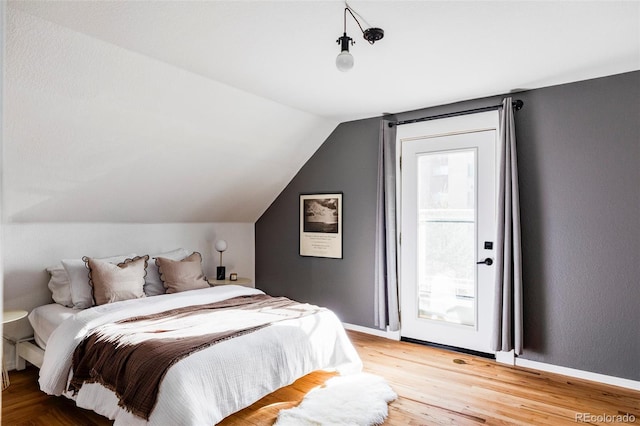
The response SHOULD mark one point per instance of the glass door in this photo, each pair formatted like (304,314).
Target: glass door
(447,232)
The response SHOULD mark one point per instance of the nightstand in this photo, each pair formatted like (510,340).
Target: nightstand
(240,281)
(7,317)
(10,316)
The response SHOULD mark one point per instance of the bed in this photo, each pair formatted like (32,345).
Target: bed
(205,386)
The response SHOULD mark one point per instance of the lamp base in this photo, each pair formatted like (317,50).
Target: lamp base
(220,272)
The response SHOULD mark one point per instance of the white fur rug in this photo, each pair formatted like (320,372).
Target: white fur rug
(355,400)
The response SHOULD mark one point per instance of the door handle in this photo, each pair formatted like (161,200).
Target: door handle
(488,261)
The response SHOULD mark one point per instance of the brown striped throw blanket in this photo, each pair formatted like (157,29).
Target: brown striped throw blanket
(131,356)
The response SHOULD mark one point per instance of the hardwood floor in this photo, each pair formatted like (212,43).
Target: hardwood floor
(435,387)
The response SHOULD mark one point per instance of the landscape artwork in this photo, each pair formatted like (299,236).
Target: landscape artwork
(321,225)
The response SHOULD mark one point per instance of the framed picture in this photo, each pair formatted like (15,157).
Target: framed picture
(321,225)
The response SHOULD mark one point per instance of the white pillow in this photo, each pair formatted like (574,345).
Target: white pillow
(60,286)
(81,295)
(153,285)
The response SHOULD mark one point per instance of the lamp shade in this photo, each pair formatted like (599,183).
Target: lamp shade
(221,245)
(344,61)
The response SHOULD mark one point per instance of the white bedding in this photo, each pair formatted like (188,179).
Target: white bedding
(44,319)
(210,384)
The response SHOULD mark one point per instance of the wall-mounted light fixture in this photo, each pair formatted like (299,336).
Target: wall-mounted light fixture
(344,61)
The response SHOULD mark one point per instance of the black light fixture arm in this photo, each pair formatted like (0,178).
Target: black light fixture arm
(348,9)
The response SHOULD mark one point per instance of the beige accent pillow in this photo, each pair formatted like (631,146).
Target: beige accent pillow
(182,275)
(112,283)
(81,291)
(152,282)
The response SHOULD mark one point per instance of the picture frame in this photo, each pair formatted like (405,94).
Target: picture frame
(321,225)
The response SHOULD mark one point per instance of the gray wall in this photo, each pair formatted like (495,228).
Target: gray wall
(346,162)
(579,159)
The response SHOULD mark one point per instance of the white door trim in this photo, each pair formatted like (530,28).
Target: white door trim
(439,132)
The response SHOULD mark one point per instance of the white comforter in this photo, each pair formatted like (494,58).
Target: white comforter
(210,384)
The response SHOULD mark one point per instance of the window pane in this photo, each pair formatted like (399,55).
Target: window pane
(446,239)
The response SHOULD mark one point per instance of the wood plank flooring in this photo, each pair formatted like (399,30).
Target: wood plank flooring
(435,387)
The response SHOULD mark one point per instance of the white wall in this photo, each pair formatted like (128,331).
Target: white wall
(29,248)
(2,31)
(95,132)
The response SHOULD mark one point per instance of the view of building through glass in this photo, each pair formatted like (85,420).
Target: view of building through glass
(446,240)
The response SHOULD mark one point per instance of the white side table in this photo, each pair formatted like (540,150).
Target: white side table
(7,317)
(240,281)
(10,316)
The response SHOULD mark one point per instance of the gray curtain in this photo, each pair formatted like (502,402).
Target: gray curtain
(386,270)
(508,297)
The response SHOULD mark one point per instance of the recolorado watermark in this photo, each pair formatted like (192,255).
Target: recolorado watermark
(604,418)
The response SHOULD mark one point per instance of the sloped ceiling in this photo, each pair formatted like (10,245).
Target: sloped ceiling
(155,112)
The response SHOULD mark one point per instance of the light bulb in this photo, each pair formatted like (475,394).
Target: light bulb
(221,245)
(344,61)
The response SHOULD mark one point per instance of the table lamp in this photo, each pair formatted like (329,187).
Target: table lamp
(221,245)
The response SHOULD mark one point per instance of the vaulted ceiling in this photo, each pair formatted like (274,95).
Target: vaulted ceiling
(176,111)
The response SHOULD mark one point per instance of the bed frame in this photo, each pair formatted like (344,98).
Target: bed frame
(27,350)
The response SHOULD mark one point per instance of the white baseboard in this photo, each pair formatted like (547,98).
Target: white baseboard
(579,374)
(508,358)
(393,335)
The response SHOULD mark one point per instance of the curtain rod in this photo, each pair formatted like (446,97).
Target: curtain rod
(517,105)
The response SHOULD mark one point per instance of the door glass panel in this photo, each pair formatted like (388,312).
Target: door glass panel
(447,236)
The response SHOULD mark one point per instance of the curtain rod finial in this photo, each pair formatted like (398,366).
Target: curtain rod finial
(518,104)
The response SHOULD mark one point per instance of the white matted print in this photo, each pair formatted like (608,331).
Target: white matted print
(321,225)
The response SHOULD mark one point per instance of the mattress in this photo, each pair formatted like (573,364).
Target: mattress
(44,319)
